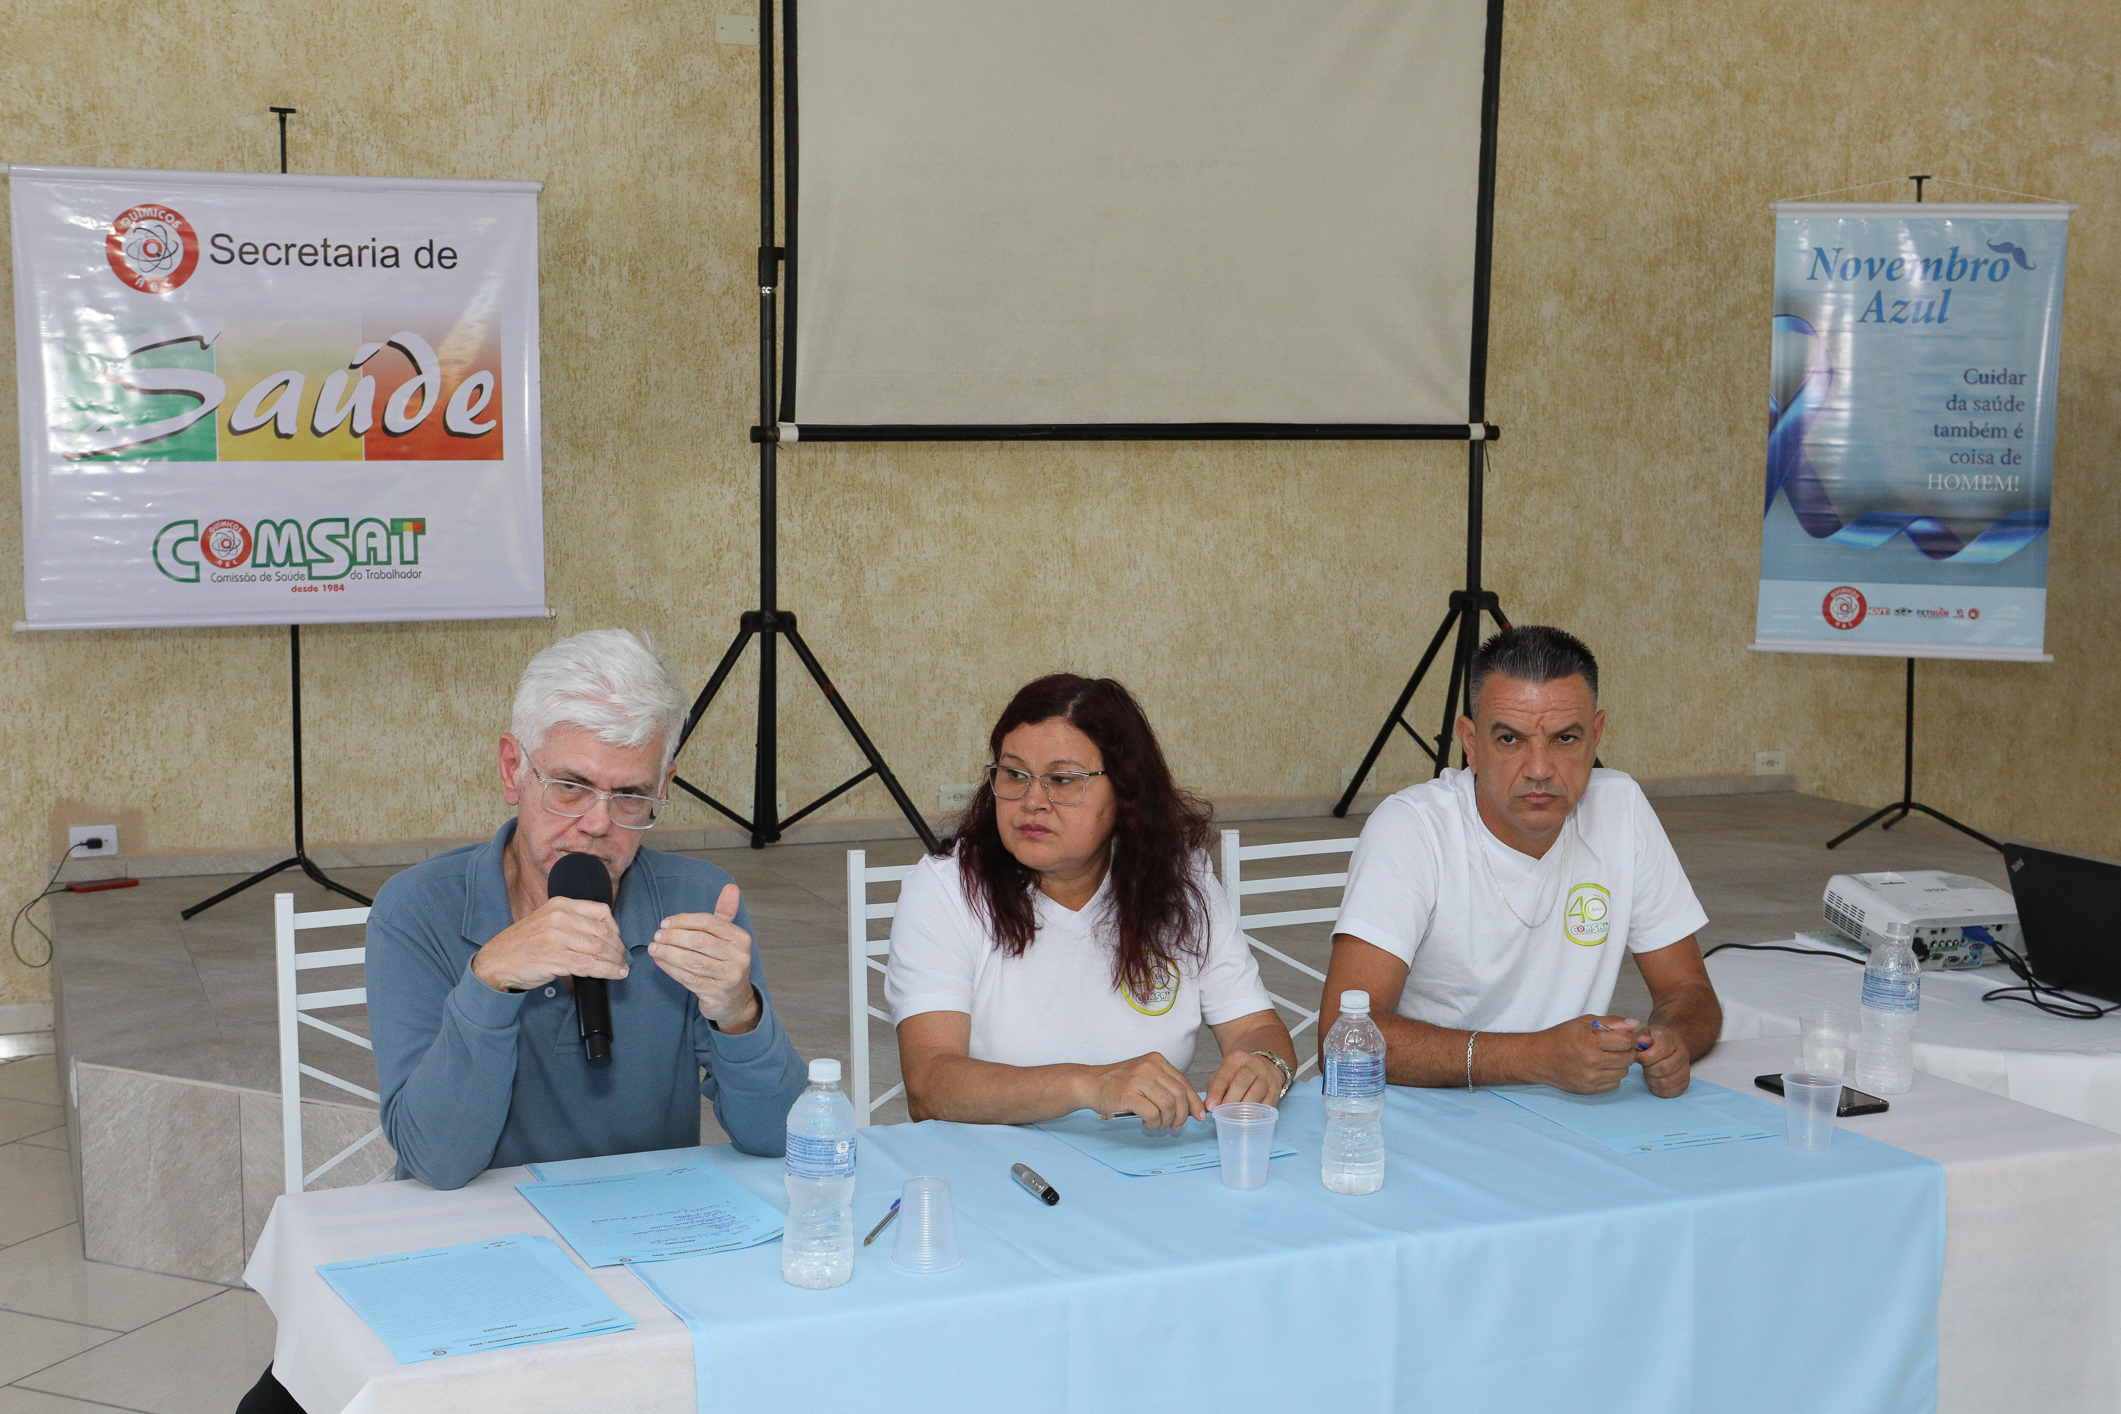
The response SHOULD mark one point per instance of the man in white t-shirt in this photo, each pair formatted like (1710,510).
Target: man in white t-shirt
(1493,902)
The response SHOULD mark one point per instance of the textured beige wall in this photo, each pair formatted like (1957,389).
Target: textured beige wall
(1265,600)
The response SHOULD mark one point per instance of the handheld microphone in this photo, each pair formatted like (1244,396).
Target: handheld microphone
(583,876)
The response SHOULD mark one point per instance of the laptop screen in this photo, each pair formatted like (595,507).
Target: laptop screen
(2069,915)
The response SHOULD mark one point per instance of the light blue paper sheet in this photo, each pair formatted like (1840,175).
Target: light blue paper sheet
(1123,1144)
(1630,1120)
(518,1290)
(652,1217)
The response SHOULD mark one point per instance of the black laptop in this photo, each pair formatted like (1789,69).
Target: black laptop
(2066,912)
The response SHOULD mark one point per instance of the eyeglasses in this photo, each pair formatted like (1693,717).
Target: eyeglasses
(574,800)
(1061,787)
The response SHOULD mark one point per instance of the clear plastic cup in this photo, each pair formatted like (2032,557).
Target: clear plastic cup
(1808,1104)
(927,1227)
(1244,1132)
(1826,1040)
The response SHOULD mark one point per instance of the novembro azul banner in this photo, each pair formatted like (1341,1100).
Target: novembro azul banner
(1911,420)
(252,399)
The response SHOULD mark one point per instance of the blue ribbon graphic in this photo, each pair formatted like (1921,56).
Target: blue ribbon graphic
(1790,472)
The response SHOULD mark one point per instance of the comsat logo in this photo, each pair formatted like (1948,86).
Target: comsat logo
(152,248)
(329,548)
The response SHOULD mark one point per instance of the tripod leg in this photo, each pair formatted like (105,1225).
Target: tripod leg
(861,739)
(310,868)
(1396,717)
(230,892)
(1968,830)
(1858,828)
(705,700)
(1468,614)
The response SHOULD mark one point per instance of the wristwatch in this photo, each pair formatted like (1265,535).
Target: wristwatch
(1288,1077)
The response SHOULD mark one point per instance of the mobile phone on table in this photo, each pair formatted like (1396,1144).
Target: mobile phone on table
(1853,1102)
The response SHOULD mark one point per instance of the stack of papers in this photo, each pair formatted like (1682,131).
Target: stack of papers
(1630,1120)
(517,1290)
(653,1216)
(1124,1145)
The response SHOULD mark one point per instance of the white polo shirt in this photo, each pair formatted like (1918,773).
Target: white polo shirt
(1056,1004)
(1428,884)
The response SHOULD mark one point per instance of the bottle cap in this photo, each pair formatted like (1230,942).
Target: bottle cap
(825,1072)
(1354,1001)
(1897,929)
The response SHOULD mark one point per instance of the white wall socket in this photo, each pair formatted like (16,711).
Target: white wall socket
(736,29)
(780,803)
(952,799)
(80,835)
(1347,774)
(1771,763)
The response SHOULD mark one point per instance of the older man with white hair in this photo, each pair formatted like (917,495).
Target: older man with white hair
(470,964)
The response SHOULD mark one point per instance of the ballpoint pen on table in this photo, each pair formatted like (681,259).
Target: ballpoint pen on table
(883,1222)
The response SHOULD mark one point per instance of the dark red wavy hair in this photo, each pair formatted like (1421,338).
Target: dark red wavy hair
(1156,835)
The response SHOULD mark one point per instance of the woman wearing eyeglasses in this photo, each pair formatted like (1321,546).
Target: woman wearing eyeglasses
(1062,950)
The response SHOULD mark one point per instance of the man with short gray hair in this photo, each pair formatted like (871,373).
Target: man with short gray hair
(1486,910)
(471,964)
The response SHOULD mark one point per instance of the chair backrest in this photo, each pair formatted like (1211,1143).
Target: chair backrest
(864,956)
(1238,889)
(295,1007)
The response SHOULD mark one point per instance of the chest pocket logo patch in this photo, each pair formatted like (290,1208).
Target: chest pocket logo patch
(1586,918)
(1162,994)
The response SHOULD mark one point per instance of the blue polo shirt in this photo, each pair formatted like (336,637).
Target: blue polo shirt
(474,1079)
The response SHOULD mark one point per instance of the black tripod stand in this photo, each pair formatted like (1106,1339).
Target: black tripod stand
(1466,607)
(1907,801)
(300,858)
(769,623)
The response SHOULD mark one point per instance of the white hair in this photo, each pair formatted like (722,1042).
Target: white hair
(608,682)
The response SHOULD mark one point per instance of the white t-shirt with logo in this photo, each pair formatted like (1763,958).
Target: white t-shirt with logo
(1427,884)
(1056,1004)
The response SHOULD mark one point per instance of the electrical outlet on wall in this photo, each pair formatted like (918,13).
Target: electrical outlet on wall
(780,803)
(79,837)
(736,29)
(1347,774)
(955,798)
(1771,763)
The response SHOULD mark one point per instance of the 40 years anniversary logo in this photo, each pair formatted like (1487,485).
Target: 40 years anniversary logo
(328,549)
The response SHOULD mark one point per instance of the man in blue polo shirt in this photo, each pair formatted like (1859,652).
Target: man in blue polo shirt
(469,963)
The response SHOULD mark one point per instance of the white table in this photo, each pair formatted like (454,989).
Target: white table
(2030,1313)
(2006,1048)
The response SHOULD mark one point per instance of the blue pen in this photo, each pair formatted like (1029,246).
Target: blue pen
(1639,1045)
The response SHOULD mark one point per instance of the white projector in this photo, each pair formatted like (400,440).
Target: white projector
(1955,918)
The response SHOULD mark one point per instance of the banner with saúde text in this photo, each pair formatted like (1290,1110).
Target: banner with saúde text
(1911,420)
(252,399)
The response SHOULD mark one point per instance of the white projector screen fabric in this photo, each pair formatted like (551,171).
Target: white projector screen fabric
(1135,211)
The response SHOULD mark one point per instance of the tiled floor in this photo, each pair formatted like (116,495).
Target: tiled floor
(78,1336)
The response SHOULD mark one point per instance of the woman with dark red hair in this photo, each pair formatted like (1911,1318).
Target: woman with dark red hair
(1061,951)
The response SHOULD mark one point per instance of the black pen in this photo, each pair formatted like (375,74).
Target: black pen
(1034,1185)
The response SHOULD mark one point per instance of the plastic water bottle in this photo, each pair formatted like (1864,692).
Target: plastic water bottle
(1354,1158)
(1892,999)
(817,1246)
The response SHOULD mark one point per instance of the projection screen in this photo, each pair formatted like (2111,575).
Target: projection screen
(1018,212)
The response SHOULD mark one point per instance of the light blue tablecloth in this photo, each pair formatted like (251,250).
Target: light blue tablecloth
(1508,1265)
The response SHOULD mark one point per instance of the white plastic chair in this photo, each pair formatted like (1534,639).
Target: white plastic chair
(1238,889)
(295,1007)
(863,957)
